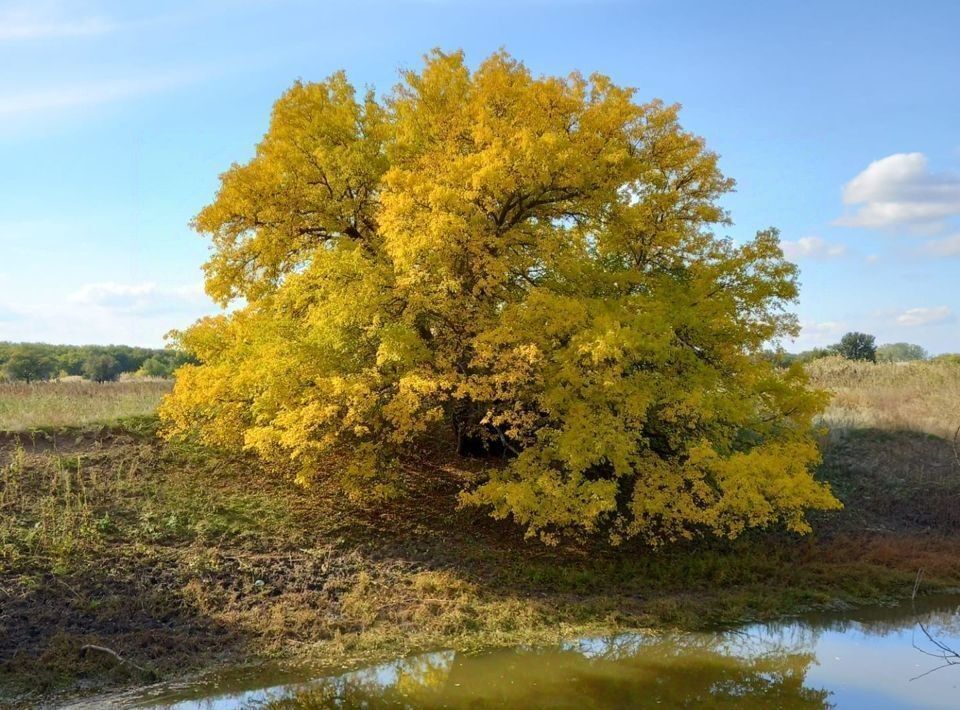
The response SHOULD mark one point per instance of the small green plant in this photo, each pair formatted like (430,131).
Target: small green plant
(65,520)
(11,476)
(104,524)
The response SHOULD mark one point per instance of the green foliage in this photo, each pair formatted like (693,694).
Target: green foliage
(784,360)
(101,368)
(900,352)
(525,262)
(814,354)
(155,367)
(31,362)
(163,365)
(857,346)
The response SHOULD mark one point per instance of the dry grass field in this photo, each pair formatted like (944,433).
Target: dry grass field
(52,405)
(921,397)
(890,452)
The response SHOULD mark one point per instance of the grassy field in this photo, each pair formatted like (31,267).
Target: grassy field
(50,405)
(179,559)
(914,396)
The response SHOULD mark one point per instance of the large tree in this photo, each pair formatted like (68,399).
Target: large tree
(29,363)
(526,263)
(101,367)
(857,346)
(901,352)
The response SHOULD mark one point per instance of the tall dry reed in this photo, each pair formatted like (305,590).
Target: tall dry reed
(909,396)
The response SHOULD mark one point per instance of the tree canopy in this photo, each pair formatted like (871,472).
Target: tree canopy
(27,363)
(42,361)
(901,352)
(101,368)
(523,267)
(857,346)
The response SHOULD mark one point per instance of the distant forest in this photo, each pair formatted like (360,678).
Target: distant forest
(859,346)
(33,362)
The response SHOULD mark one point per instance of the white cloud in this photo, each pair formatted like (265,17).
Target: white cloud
(110,293)
(823,332)
(107,312)
(89,94)
(901,191)
(948,246)
(812,248)
(37,21)
(924,316)
(139,298)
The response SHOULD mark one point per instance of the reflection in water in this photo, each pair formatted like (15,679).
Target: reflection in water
(615,673)
(857,659)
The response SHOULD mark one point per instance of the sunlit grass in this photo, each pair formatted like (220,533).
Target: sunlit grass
(912,396)
(39,405)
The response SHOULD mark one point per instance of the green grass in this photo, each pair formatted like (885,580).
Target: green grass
(44,405)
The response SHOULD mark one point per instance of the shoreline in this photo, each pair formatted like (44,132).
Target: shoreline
(269,680)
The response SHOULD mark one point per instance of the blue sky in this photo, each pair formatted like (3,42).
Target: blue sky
(840,122)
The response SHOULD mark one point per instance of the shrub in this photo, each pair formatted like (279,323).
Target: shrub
(952,358)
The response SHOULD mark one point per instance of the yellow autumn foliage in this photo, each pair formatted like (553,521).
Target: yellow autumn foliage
(523,265)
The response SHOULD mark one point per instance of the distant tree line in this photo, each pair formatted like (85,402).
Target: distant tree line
(860,346)
(33,362)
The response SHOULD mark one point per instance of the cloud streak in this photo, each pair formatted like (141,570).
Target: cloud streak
(948,246)
(812,248)
(822,333)
(30,22)
(139,298)
(87,94)
(913,317)
(901,191)
(107,312)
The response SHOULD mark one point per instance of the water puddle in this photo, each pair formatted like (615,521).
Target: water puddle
(876,658)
